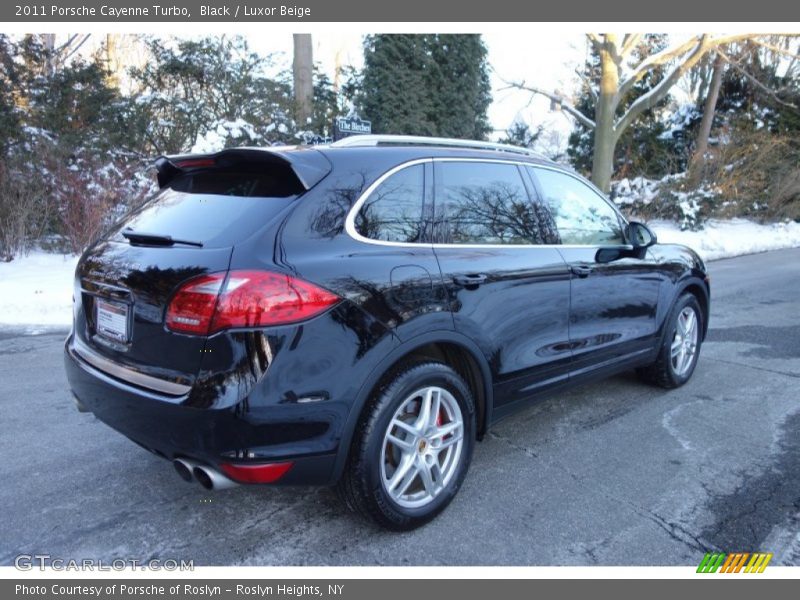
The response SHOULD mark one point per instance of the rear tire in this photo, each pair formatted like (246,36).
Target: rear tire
(412,447)
(680,348)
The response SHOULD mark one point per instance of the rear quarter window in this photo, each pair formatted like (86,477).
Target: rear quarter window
(393,210)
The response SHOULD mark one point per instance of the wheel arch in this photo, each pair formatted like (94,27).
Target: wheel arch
(446,346)
(699,289)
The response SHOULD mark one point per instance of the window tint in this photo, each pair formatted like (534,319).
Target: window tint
(262,182)
(487,203)
(393,211)
(581,215)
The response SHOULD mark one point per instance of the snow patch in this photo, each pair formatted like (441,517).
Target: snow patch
(724,239)
(37,290)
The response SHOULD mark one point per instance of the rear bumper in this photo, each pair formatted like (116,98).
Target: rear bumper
(238,434)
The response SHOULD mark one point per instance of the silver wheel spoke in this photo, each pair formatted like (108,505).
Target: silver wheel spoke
(687,324)
(425,409)
(412,474)
(404,445)
(427,480)
(454,439)
(436,406)
(405,467)
(444,430)
(405,426)
(436,475)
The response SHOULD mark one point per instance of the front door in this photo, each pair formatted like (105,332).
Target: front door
(614,295)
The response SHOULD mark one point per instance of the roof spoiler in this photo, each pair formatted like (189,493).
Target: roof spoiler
(309,165)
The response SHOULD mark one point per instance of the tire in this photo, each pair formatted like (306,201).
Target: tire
(387,455)
(669,370)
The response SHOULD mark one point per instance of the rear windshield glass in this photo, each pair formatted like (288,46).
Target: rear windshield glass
(215,208)
(263,183)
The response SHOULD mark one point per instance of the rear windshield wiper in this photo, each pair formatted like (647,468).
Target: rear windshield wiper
(156,239)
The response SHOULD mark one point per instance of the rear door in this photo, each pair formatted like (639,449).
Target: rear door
(124,283)
(614,295)
(508,288)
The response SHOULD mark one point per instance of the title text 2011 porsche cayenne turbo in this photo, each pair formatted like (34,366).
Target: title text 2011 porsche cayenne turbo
(360,314)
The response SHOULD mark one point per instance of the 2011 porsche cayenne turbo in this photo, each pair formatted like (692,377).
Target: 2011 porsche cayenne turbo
(361,313)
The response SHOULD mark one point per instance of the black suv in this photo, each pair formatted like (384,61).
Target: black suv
(359,314)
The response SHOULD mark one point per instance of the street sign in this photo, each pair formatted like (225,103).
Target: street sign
(352,125)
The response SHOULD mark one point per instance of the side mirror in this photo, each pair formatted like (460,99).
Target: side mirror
(640,235)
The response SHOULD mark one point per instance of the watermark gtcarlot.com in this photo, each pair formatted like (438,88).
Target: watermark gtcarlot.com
(29,562)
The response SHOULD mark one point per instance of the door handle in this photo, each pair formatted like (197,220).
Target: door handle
(471,280)
(581,270)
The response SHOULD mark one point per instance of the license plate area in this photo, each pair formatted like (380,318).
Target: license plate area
(111,320)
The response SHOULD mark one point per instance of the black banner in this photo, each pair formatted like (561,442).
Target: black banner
(305,11)
(390,589)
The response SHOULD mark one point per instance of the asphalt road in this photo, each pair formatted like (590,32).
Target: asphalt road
(616,473)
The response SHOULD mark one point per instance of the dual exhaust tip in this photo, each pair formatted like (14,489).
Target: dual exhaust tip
(209,478)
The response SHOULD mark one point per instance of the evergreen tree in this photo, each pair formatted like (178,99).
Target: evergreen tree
(433,84)
(520,134)
(10,123)
(772,102)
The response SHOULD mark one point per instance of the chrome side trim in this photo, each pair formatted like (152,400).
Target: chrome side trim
(126,374)
(350,221)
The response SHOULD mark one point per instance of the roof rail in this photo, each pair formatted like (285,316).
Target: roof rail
(360,141)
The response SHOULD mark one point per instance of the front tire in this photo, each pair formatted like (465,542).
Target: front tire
(412,448)
(680,349)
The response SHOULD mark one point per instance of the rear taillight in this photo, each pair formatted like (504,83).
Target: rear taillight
(249,299)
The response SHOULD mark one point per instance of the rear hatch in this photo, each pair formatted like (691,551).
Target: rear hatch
(124,283)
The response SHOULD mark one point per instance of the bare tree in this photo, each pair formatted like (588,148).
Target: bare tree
(303,72)
(58,55)
(618,76)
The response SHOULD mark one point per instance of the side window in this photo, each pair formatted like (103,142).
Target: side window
(581,215)
(393,211)
(487,203)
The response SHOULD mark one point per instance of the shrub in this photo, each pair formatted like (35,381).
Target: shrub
(24,208)
(90,195)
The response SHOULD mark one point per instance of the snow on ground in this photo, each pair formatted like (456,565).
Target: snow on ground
(36,290)
(724,239)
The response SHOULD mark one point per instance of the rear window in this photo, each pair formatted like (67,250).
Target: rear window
(216,208)
(263,182)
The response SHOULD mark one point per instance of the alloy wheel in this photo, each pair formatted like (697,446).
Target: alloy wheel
(422,447)
(684,341)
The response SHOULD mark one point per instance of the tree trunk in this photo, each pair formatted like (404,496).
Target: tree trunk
(49,43)
(303,71)
(604,135)
(112,59)
(701,145)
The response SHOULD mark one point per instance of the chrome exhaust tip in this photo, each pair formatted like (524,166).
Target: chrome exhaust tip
(211,479)
(184,468)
